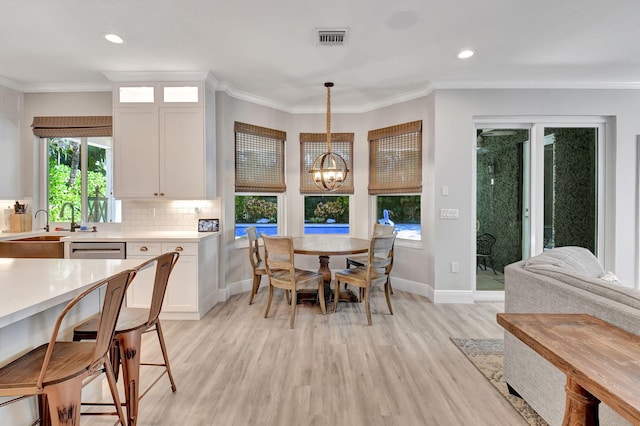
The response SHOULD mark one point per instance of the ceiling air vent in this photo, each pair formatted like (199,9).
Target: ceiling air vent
(331,37)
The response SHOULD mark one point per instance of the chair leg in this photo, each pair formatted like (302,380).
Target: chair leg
(163,347)
(387,291)
(130,344)
(336,296)
(43,410)
(254,287)
(113,387)
(492,268)
(294,302)
(321,296)
(287,294)
(269,297)
(366,304)
(390,287)
(64,402)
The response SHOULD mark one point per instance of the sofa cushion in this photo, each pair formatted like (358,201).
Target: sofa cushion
(566,259)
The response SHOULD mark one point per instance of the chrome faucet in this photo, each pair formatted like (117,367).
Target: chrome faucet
(46,228)
(74,225)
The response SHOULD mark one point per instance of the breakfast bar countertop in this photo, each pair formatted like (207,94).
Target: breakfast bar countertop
(185,236)
(30,286)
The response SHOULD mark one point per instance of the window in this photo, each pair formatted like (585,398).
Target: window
(259,166)
(403,211)
(79,167)
(326,214)
(260,211)
(80,173)
(395,176)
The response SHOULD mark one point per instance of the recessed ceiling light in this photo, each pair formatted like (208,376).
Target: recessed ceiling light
(465,54)
(114,38)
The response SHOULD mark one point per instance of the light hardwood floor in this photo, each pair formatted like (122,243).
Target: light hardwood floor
(235,367)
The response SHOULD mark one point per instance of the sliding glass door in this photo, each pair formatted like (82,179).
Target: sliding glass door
(537,187)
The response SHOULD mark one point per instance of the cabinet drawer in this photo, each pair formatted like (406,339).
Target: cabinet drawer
(185,249)
(144,248)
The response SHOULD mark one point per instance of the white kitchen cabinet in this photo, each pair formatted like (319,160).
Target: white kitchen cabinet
(193,284)
(164,146)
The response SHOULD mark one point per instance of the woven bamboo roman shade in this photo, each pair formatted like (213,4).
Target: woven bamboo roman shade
(259,159)
(314,144)
(395,159)
(80,126)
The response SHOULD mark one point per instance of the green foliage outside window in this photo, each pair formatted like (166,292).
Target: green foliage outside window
(250,209)
(401,208)
(317,209)
(65,183)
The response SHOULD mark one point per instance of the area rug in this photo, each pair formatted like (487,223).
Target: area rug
(486,356)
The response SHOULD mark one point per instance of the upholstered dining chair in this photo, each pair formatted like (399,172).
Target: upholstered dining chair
(257,264)
(132,324)
(379,259)
(279,260)
(361,259)
(55,371)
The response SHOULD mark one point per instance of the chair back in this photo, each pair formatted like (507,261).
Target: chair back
(484,244)
(164,265)
(254,250)
(116,287)
(380,230)
(278,254)
(381,253)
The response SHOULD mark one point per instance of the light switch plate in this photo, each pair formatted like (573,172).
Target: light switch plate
(449,214)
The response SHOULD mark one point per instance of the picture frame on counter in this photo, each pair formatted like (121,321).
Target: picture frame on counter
(208,225)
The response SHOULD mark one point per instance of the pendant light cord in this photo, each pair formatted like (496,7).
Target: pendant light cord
(328,86)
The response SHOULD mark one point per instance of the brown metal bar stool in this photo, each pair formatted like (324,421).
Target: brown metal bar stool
(55,371)
(132,324)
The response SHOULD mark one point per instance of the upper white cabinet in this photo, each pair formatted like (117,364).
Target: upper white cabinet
(164,140)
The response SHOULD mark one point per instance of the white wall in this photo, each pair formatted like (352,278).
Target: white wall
(414,265)
(448,137)
(455,109)
(52,104)
(11,116)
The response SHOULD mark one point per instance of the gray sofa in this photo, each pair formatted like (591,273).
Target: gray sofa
(561,280)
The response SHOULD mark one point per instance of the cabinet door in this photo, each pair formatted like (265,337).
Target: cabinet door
(182,154)
(182,291)
(141,288)
(136,152)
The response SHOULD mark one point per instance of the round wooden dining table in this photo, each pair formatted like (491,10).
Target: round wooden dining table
(325,246)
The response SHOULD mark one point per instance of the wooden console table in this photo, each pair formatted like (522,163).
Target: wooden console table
(601,361)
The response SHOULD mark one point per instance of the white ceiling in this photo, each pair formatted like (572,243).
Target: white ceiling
(264,50)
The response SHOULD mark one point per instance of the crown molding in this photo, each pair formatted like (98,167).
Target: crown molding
(11,84)
(585,85)
(67,87)
(244,96)
(126,76)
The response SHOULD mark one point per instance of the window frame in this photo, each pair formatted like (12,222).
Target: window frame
(116,205)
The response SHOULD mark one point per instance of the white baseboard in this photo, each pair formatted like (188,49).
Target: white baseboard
(436,296)
(453,296)
(488,296)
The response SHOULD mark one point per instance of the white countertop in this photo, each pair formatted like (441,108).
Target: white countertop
(188,236)
(30,286)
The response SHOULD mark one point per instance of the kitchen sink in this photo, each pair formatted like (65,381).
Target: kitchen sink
(40,246)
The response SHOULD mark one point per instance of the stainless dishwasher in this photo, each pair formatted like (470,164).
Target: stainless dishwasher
(97,250)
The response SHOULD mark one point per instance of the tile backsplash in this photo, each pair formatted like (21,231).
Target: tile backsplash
(142,215)
(160,215)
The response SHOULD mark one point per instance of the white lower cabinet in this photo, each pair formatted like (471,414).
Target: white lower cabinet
(193,284)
